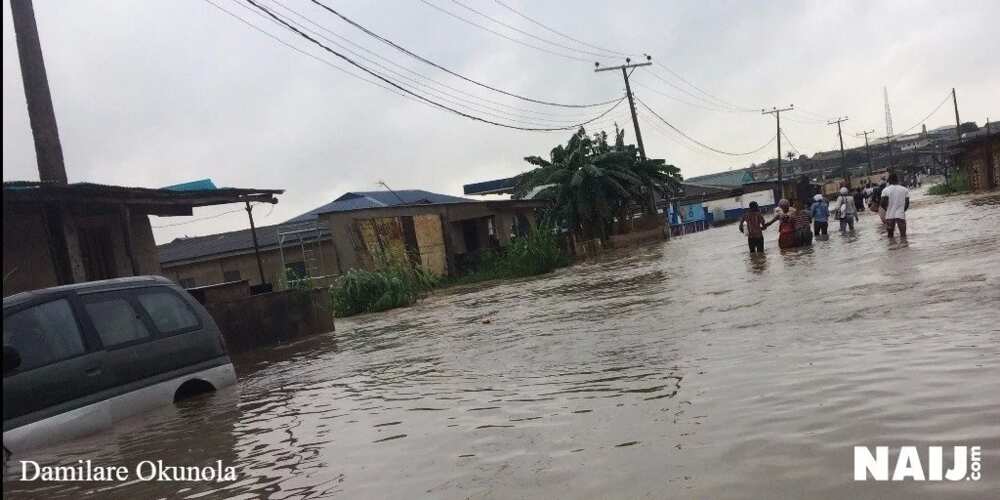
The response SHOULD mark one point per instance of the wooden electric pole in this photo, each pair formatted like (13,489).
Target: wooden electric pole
(628,92)
(256,246)
(958,123)
(843,159)
(868,150)
(777,114)
(48,150)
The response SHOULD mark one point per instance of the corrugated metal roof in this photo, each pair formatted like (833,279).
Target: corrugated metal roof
(232,242)
(357,200)
(186,249)
(35,191)
(731,178)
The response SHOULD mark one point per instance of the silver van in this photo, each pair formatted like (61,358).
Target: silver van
(78,358)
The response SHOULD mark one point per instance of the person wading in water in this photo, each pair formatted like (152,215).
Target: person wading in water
(846,211)
(803,235)
(820,211)
(786,224)
(755,228)
(895,202)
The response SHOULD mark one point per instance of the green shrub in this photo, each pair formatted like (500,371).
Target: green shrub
(394,283)
(958,183)
(538,252)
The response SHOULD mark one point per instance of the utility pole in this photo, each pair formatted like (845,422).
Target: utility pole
(868,150)
(628,92)
(777,114)
(958,123)
(256,246)
(48,150)
(843,159)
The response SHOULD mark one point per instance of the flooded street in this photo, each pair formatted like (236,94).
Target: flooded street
(684,369)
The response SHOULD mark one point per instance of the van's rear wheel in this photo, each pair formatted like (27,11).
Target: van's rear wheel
(192,388)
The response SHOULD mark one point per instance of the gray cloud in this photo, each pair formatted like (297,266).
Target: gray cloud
(152,93)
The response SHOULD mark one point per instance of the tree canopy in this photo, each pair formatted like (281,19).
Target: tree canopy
(593,181)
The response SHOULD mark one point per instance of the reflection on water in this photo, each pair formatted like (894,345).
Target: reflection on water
(686,369)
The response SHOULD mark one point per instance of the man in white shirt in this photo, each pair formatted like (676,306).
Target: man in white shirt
(895,202)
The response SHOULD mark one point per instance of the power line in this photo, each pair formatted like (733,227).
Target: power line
(445,96)
(815,115)
(718,100)
(536,37)
(699,89)
(300,51)
(710,148)
(682,101)
(790,143)
(501,35)
(924,119)
(716,107)
(319,26)
(199,219)
(551,30)
(450,72)
(414,94)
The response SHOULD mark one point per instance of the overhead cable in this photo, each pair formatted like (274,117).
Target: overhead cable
(450,72)
(499,34)
(526,33)
(924,119)
(551,30)
(421,97)
(454,100)
(710,148)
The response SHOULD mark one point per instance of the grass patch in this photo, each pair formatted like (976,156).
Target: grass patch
(539,252)
(397,283)
(957,183)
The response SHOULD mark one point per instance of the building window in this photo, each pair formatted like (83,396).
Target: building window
(187,283)
(231,276)
(295,270)
(115,320)
(43,334)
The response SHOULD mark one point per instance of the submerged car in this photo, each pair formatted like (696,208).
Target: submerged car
(78,358)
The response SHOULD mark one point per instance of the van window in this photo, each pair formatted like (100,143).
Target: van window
(43,334)
(115,320)
(168,311)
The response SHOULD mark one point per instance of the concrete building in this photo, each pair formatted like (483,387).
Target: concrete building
(57,234)
(978,158)
(443,238)
(441,233)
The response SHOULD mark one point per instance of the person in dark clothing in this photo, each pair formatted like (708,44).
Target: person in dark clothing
(755,228)
(803,234)
(820,212)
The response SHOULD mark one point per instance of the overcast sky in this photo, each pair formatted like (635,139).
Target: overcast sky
(151,93)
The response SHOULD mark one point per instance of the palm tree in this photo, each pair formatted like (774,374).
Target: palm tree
(592,182)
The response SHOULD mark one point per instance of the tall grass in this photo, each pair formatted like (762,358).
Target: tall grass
(394,283)
(538,252)
(957,183)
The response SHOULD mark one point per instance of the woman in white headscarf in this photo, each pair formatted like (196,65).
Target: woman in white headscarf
(847,213)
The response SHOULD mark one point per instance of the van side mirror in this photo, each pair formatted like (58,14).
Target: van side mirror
(11,359)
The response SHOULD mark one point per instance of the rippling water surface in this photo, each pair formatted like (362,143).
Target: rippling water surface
(685,369)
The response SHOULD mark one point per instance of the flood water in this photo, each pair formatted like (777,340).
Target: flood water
(677,370)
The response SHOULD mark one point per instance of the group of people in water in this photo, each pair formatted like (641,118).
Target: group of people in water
(798,224)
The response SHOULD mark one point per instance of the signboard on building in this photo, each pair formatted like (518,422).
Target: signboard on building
(692,213)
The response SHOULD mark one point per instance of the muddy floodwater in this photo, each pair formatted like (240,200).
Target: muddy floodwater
(677,370)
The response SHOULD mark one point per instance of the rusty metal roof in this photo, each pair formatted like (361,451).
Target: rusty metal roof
(86,192)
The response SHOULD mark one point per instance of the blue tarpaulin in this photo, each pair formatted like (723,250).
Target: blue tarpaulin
(199,185)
